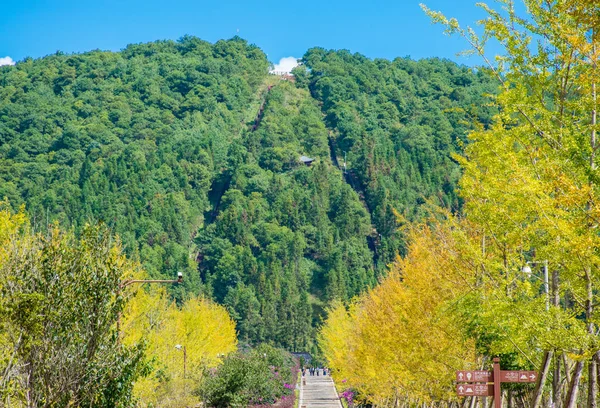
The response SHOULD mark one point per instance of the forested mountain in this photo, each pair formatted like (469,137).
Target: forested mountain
(287,236)
(190,152)
(133,138)
(398,122)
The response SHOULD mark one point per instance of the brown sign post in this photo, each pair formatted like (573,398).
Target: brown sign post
(481,383)
(497,392)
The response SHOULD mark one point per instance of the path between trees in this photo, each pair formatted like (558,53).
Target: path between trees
(373,240)
(221,183)
(318,392)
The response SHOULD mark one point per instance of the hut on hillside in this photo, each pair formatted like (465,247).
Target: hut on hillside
(307,160)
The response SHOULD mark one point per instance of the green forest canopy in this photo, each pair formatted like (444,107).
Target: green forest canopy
(159,141)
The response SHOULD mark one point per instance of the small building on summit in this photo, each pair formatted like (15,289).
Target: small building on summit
(306,160)
(284,75)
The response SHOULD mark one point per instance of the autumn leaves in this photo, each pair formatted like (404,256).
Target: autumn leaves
(530,190)
(401,340)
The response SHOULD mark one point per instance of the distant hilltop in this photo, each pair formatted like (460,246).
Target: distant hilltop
(281,73)
(288,76)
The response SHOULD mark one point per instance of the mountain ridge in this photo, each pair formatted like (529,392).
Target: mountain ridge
(140,139)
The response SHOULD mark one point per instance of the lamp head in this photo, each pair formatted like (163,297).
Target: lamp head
(178,346)
(179,277)
(527,269)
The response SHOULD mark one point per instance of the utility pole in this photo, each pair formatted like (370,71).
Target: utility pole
(179,347)
(546,288)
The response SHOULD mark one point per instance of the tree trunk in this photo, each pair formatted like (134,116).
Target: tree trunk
(536,399)
(593,375)
(592,383)
(556,378)
(557,384)
(567,368)
(597,357)
(571,401)
(28,389)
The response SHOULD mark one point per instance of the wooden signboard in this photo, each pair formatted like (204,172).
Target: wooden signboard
(475,376)
(479,390)
(482,383)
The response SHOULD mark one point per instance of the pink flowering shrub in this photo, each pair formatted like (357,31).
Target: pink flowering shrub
(348,395)
(262,377)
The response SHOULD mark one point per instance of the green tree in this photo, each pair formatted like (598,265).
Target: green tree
(61,300)
(531,183)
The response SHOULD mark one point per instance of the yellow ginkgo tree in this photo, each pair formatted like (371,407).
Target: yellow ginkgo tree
(182,342)
(531,183)
(400,342)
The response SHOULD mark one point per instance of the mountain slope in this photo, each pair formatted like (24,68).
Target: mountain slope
(287,236)
(397,122)
(133,138)
(190,152)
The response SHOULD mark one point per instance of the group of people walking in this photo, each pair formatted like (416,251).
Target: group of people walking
(314,371)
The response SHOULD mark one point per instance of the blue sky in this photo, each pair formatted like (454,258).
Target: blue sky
(375,28)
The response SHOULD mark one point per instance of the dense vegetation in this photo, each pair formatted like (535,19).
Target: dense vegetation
(58,314)
(258,377)
(398,122)
(531,186)
(189,152)
(133,139)
(287,236)
(77,329)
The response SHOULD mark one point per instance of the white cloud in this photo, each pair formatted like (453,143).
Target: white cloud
(6,61)
(286,64)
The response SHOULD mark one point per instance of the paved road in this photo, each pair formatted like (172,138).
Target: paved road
(318,392)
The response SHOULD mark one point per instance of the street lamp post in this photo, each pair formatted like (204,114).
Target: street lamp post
(527,270)
(126,283)
(548,354)
(179,347)
(142,281)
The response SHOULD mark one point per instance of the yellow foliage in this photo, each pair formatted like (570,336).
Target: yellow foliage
(203,328)
(338,340)
(403,338)
(10,224)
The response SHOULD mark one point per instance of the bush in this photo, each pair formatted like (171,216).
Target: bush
(259,377)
